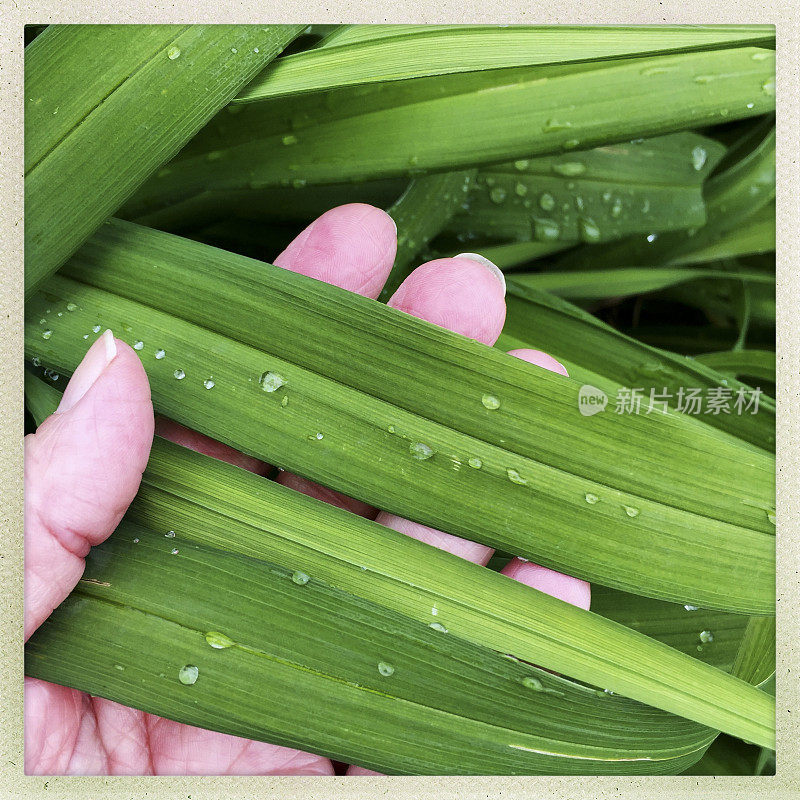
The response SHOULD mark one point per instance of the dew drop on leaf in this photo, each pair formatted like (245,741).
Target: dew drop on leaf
(491,402)
(219,641)
(385,669)
(570,168)
(300,578)
(515,477)
(187,674)
(420,451)
(271,381)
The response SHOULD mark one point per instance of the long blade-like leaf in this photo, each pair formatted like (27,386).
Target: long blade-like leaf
(502,114)
(215,504)
(106,105)
(405,404)
(359,54)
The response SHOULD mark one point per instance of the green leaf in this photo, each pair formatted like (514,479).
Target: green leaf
(355,681)
(399,404)
(595,195)
(597,354)
(358,54)
(107,105)
(374,132)
(600,283)
(199,500)
(756,363)
(420,214)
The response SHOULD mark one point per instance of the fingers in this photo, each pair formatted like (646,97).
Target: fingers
(463,294)
(83,467)
(351,246)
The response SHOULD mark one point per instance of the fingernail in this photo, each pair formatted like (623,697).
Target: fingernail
(493,268)
(99,356)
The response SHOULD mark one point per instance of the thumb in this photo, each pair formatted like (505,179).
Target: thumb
(83,467)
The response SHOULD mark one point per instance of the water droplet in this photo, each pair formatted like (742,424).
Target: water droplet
(654,71)
(521,189)
(173,52)
(515,477)
(608,691)
(36,361)
(174,551)
(179,374)
(616,208)
(545,230)
(138,345)
(706,637)
(491,402)
(591,499)
(284,401)
(529,682)
(271,381)
(219,641)
(571,144)
(72,307)
(289,139)
(169,535)
(437,626)
(771,517)
(768,87)
(475,463)
(85,335)
(699,156)
(47,334)
(96,329)
(690,608)
(208,383)
(136,540)
(522,164)
(570,168)
(497,195)
(420,451)
(555,125)
(53,376)
(385,669)
(434,611)
(391,429)
(255,50)
(589,230)
(317,436)
(234,50)
(160,354)
(651,237)
(751,105)
(119,667)
(631,511)
(300,578)
(188,675)
(547,202)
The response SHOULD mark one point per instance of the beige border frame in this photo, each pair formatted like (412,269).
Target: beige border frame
(13,783)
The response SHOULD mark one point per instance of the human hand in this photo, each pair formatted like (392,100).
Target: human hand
(84,464)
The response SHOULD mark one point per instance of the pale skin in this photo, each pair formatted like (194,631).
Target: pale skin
(84,464)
